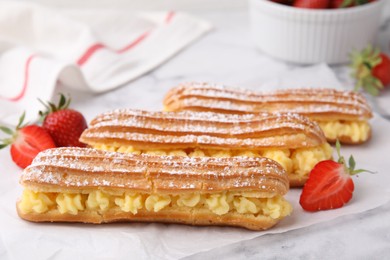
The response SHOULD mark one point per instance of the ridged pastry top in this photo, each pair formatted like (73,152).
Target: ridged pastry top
(185,130)
(316,103)
(75,169)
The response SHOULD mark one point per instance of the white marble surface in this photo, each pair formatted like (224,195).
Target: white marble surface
(227,55)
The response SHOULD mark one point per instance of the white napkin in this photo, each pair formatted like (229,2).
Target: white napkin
(93,51)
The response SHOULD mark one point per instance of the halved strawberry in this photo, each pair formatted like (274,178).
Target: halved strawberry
(330,185)
(64,125)
(26,142)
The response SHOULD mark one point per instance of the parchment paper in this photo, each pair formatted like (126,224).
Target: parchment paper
(23,240)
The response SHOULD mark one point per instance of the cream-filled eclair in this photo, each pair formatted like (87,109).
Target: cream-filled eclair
(341,114)
(91,186)
(290,139)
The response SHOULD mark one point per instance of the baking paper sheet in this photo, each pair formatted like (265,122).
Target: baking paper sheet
(23,240)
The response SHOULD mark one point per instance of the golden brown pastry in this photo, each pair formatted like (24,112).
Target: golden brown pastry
(342,115)
(91,186)
(290,139)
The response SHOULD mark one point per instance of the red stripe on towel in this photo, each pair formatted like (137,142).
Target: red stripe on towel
(25,82)
(91,50)
(170,16)
(134,43)
(97,46)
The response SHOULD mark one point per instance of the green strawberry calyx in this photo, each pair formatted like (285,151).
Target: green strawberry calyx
(350,167)
(63,104)
(13,133)
(348,3)
(362,65)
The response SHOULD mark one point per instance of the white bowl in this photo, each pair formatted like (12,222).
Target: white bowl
(311,35)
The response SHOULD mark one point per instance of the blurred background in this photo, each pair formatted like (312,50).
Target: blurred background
(187,5)
(113,54)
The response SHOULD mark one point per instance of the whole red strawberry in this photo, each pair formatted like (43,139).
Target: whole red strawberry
(311,4)
(64,125)
(371,69)
(382,70)
(330,185)
(26,142)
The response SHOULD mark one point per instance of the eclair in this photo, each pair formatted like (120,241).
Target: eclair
(342,115)
(290,139)
(90,186)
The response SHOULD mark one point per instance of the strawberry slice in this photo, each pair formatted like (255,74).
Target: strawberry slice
(330,185)
(26,142)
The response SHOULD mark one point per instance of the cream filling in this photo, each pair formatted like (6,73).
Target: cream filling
(358,131)
(298,162)
(218,203)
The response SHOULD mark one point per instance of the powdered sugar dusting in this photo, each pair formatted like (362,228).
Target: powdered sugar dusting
(83,167)
(198,129)
(305,101)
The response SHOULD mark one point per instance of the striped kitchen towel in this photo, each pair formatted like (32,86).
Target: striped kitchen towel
(88,50)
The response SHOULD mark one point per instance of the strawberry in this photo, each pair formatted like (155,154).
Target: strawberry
(348,3)
(284,2)
(330,185)
(26,142)
(371,69)
(64,125)
(341,3)
(311,4)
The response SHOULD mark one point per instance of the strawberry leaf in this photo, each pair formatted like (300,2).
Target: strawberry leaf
(3,145)
(338,147)
(6,130)
(361,2)
(360,171)
(346,3)
(53,107)
(67,102)
(351,163)
(373,91)
(62,101)
(44,104)
(21,119)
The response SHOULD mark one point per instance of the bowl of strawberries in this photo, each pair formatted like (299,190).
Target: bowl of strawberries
(312,31)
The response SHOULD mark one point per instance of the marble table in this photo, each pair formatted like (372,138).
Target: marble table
(227,55)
